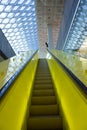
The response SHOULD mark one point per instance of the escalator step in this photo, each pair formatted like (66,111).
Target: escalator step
(43,77)
(47,92)
(43,110)
(45,123)
(43,74)
(47,100)
(43,81)
(43,86)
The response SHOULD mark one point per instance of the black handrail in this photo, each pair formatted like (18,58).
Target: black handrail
(12,79)
(80,84)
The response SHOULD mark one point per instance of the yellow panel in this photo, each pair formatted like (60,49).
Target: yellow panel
(14,106)
(73,103)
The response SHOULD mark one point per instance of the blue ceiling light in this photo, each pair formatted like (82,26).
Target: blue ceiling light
(78,31)
(18,23)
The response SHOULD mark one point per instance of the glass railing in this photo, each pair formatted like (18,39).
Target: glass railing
(74,65)
(11,68)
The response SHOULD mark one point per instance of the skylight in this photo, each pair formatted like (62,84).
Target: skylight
(17,21)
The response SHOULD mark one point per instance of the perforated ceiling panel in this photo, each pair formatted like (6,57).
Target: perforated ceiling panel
(18,23)
(19,20)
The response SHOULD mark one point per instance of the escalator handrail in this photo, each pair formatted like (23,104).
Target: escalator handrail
(81,85)
(12,79)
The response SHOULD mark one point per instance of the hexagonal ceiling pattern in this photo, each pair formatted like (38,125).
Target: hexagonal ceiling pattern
(24,22)
(18,23)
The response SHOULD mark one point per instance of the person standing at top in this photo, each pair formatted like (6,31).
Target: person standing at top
(46,44)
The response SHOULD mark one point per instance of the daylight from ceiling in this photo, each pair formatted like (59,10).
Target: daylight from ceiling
(19,24)
(25,24)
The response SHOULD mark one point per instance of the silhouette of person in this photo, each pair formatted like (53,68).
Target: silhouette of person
(46,44)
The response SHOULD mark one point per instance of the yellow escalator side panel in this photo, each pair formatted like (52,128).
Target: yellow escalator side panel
(14,107)
(73,103)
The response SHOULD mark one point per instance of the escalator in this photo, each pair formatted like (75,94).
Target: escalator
(44,113)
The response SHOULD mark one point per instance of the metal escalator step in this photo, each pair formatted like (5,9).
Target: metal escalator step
(43,86)
(43,74)
(47,100)
(47,92)
(47,129)
(43,77)
(45,123)
(43,110)
(43,81)
(44,69)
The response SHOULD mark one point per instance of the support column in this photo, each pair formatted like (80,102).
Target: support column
(50,36)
